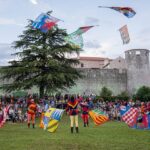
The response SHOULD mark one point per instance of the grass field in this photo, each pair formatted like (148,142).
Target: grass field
(109,136)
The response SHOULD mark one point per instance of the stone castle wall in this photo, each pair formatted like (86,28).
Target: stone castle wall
(95,79)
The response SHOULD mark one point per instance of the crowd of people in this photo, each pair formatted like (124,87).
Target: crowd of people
(25,109)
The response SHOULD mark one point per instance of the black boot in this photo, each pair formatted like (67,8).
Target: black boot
(33,126)
(28,125)
(71,129)
(87,124)
(84,124)
(77,130)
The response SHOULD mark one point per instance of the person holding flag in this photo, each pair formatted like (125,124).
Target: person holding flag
(32,108)
(72,109)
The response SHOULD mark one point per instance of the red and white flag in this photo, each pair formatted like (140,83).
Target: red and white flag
(124,34)
(130,116)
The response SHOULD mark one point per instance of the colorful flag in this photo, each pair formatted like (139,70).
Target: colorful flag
(84,29)
(75,38)
(51,118)
(126,11)
(98,117)
(124,34)
(129,115)
(143,122)
(44,22)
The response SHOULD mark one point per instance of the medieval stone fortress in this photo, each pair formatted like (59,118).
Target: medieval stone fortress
(118,74)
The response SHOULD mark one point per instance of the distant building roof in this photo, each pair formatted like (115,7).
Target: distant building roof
(93,58)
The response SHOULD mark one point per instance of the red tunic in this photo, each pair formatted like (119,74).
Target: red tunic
(72,107)
(32,108)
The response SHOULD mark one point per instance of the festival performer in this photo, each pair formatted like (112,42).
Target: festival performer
(32,108)
(72,109)
(85,110)
(143,108)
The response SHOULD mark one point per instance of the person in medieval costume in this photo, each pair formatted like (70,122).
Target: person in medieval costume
(85,110)
(72,109)
(32,108)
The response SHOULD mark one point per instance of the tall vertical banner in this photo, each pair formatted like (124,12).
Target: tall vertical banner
(124,34)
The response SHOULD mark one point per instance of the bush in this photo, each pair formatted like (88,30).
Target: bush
(123,96)
(105,92)
(143,94)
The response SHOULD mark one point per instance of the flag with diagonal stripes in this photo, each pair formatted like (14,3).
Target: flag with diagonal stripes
(98,117)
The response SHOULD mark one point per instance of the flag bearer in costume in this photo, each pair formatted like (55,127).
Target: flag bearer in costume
(85,110)
(31,113)
(72,109)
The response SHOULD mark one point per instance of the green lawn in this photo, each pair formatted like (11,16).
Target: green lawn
(110,136)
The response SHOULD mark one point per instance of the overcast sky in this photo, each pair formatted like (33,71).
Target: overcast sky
(101,41)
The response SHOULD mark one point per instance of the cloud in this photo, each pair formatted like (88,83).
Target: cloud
(5,21)
(5,53)
(91,21)
(92,44)
(34,2)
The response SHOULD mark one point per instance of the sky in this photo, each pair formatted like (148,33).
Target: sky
(101,41)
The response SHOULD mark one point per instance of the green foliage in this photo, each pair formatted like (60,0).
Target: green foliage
(20,93)
(105,92)
(123,96)
(143,94)
(41,62)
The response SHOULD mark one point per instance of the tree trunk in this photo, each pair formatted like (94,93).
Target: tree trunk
(41,90)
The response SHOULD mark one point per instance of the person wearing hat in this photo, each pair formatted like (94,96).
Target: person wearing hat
(31,113)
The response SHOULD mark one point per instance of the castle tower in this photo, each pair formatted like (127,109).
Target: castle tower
(138,72)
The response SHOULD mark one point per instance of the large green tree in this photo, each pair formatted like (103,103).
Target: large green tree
(41,62)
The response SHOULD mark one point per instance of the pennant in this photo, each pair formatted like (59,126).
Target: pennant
(44,22)
(126,11)
(98,117)
(124,34)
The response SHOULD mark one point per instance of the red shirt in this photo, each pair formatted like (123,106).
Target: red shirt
(32,108)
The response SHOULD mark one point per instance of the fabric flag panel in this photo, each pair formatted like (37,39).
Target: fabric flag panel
(129,115)
(75,38)
(98,117)
(50,120)
(126,11)
(143,122)
(44,22)
(84,29)
(124,34)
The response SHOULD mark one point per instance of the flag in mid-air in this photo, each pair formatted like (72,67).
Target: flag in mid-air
(75,38)
(98,117)
(45,22)
(126,11)
(84,29)
(124,34)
